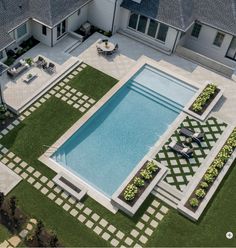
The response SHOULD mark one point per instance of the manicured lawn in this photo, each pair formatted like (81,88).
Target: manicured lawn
(219,218)
(69,230)
(4,233)
(92,82)
(43,127)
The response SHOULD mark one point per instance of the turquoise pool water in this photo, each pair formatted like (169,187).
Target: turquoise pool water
(111,143)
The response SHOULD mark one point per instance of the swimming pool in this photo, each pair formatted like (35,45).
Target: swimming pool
(110,144)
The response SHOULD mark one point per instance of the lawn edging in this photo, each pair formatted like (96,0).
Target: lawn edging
(198,177)
(208,109)
(122,205)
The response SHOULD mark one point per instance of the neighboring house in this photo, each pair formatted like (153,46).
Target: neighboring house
(204,26)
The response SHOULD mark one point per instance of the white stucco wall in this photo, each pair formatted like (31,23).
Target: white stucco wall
(100,13)
(204,44)
(75,20)
(36,29)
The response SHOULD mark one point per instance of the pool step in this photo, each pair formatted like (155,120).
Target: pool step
(155,97)
(168,194)
(61,158)
(154,93)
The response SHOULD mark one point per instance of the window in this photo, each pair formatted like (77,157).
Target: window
(142,24)
(44,30)
(152,29)
(231,53)
(162,32)
(1,54)
(196,30)
(61,29)
(21,31)
(148,27)
(219,39)
(78,12)
(133,20)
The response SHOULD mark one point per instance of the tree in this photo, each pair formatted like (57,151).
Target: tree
(54,240)
(13,205)
(2,198)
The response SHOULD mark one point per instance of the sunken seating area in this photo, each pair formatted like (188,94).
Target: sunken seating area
(18,69)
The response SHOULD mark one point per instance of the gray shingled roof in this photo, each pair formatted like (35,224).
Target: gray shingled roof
(49,12)
(181,13)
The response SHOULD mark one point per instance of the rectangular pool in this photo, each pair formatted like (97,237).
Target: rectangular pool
(111,143)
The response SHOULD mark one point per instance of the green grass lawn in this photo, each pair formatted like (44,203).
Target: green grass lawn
(4,233)
(218,218)
(92,82)
(70,231)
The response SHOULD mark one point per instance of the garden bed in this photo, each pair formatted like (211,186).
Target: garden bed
(25,45)
(135,189)
(206,97)
(209,177)
(6,119)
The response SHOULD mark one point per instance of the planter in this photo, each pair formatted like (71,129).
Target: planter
(131,206)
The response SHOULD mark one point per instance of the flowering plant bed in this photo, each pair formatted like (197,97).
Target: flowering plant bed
(204,99)
(138,185)
(212,173)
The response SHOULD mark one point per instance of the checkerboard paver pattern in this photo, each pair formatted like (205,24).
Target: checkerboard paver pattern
(182,169)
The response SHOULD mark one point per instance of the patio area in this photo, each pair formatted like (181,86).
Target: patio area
(130,51)
(18,94)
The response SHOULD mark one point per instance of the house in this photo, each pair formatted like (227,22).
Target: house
(203,27)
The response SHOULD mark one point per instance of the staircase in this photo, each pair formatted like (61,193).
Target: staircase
(167,194)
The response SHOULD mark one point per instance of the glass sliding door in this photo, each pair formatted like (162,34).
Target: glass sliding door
(231,53)
(142,24)
(152,29)
(61,29)
(133,20)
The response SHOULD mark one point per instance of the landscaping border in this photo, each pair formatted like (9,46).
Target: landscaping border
(131,210)
(198,177)
(203,116)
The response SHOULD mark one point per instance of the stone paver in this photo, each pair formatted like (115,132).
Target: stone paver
(106,236)
(97,230)
(14,241)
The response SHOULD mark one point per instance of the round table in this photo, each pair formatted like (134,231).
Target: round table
(106,48)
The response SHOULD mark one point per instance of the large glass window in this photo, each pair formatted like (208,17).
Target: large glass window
(21,31)
(196,30)
(231,53)
(148,27)
(219,39)
(152,29)
(1,54)
(142,24)
(162,32)
(133,21)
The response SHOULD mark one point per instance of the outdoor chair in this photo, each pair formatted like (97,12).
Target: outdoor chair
(41,62)
(100,51)
(181,149)
(198,137)
(116,48)
(51,68)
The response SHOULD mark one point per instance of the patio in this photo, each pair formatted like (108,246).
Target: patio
(130,51)
(18,94)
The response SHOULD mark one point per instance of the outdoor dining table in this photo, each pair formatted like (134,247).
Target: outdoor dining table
(106,46)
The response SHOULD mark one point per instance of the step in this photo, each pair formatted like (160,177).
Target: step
(154,93)
(166,195)
(170,189)
(155,98)
(164,199)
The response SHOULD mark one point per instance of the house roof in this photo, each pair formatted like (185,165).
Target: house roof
(49,12)
(181,13)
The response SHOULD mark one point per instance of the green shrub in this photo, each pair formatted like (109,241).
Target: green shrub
(194,202)
(130,192)
(138,182)
(200,193)
(213,171)
(204,185)
(218,163)
(146,174)
(209,178)
(151,166)
(204,97)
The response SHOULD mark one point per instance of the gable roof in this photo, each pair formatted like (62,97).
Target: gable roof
(181,13)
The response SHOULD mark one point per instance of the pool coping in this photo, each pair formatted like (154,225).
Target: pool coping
(92,191)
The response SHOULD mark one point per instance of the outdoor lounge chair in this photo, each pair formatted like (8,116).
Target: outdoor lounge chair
(198,137)
(51,68)
(181,149)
